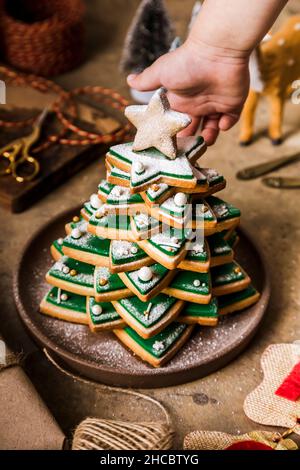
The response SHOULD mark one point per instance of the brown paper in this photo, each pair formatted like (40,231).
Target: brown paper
(25,421)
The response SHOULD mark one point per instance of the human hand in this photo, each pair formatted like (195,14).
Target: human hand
(202,81)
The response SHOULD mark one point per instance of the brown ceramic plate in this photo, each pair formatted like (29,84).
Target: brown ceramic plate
(100,356)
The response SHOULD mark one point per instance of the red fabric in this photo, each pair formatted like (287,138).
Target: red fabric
(290,387)
(248,445)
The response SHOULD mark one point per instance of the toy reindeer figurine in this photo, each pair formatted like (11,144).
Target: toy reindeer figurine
(274,66)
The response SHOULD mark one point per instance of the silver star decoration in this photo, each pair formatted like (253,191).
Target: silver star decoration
(157,125)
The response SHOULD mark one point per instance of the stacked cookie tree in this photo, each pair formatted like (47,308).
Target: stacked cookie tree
(152,254)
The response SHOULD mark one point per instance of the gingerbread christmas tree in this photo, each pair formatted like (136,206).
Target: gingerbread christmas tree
(151,255)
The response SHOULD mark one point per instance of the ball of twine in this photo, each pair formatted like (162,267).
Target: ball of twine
(44,37)
(104,434)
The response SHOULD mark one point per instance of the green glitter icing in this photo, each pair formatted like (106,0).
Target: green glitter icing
(105,187)
(232,239)
(207,216)
(162,241)
(58,247)
(230,299)
(225,274)
(114,282)
(184,281)
(125,197)
(113,221)
(89,243)
(143,222)
(160,305)
(201,310)
(124,152)
(78,224)
(121,252)
(212,176)
(159,272)
(195,253)
(88,208)
(155,195)
(74,302)
(222,209)
(159,344)
(107,315)
(218,246)
(169,207)
(84,276)
(120,173)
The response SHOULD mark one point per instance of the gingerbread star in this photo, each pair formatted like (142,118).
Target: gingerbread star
(157,125)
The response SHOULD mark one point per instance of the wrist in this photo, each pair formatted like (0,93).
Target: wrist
(215,52)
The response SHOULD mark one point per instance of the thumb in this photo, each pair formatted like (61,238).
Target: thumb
(147,80)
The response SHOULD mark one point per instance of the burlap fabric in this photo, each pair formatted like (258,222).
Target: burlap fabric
(210,440)
(262,405)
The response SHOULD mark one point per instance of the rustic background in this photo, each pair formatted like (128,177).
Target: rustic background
(272,216)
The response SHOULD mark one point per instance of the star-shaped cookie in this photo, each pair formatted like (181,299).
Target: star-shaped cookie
(157,125)
(148,166)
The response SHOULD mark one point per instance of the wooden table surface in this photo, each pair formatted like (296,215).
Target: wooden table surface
(270,215)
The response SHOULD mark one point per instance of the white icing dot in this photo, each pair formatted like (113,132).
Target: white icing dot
(142,219)
(96,310)
(198,248)
(133,250)
(65,269)
(180,199)
(281,42)
(158,346)
(64,297)
(60,241)
(117,191)
(139,168)
(203,284)
(76,233)
(297,27)
(95,202)
(145,274)
(197,283)
(101,212)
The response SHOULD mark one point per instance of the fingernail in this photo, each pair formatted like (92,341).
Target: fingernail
(131,77)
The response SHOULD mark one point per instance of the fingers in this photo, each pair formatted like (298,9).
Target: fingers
(191,129)
(210,129)
(227,121)
(147,80)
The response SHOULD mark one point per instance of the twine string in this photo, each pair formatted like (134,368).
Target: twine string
(106,434)
(107,387)
(64,107)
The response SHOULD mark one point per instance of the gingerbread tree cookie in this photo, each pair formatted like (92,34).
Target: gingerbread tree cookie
(151,255)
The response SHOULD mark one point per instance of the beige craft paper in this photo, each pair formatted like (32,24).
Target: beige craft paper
(262,405)
(25,421)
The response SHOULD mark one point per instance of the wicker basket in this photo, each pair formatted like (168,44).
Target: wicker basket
(45,37)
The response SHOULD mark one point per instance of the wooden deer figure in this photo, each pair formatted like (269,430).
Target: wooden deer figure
(278,61)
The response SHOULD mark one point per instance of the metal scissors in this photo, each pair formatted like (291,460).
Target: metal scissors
(272,181)
(16,158)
